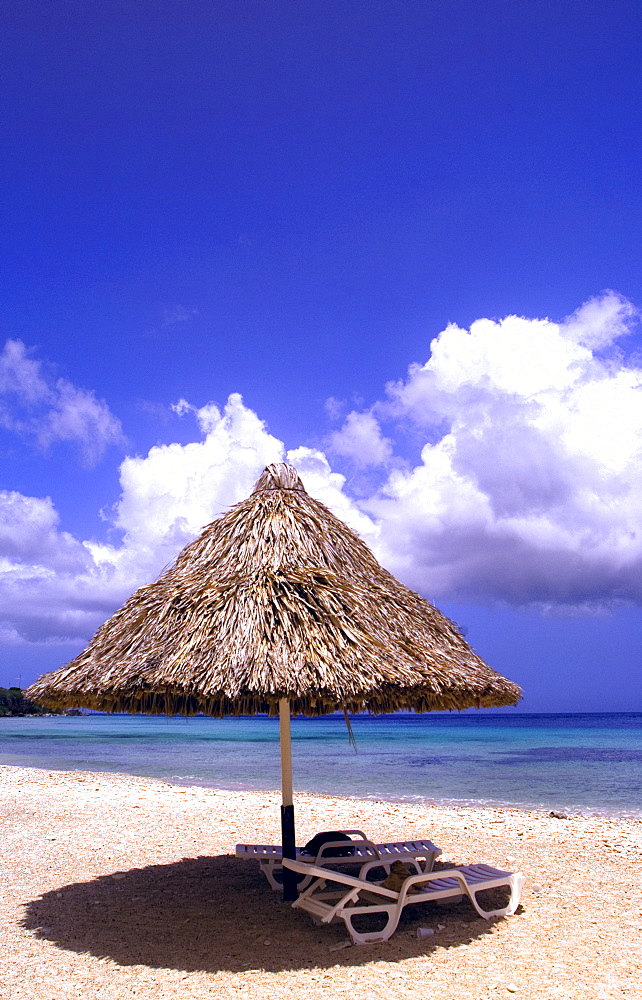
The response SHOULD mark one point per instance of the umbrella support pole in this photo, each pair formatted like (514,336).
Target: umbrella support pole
(288,841)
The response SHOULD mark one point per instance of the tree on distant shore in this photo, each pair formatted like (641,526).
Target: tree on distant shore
(13,702)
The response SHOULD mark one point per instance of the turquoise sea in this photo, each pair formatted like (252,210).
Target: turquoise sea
(588,763)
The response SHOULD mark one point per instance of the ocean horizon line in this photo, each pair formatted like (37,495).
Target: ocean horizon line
(446,713)
(569,762)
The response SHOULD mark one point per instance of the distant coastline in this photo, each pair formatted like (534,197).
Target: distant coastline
(13,704)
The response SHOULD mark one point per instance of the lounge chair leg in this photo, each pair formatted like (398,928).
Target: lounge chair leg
(516,884)
(269,867)
(373,937)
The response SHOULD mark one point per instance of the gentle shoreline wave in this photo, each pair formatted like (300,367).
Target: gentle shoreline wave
(579,765)
(401,800)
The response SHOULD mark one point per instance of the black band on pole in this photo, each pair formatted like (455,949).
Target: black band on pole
(288,846)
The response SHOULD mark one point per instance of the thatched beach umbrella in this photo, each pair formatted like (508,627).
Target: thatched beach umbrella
(277,607)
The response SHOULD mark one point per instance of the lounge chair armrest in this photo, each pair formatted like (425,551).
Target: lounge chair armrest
(442,873)
(414,880)
(386,865)
(480,880)
(329,875)
(434,876)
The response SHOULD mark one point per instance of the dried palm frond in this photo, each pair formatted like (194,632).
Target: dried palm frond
(275,599)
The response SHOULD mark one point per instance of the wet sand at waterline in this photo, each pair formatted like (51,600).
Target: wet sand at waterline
(116,886)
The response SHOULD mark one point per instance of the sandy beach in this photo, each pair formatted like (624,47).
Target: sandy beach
(116,886)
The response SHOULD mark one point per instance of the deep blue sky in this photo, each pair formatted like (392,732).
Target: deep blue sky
(290,201)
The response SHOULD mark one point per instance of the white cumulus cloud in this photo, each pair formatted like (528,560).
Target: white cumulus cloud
(36,405)
(329,487)
(55,588)
(168,495)
(528,489)
(361,440)
(600,321)
(29,534)
(530,482)
(50,585)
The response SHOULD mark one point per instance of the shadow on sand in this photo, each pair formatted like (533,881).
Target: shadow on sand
(217,913)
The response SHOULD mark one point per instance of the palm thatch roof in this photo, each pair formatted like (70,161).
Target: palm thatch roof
(275,599)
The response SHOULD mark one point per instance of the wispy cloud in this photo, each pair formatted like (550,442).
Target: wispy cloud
(177,315)
(35,404)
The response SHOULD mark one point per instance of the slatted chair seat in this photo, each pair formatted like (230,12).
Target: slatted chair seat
(363,850)
(352,897)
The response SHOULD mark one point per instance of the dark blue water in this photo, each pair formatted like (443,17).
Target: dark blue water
(580,763)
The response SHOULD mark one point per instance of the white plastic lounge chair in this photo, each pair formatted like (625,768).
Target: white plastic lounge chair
(353,896)
(270,857)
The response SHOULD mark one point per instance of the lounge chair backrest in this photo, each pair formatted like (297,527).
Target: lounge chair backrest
(330,875)
(335,849)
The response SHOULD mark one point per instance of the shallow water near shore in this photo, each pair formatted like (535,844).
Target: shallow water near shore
(586,763)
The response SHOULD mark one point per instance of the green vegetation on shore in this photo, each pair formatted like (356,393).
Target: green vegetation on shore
(13,702)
